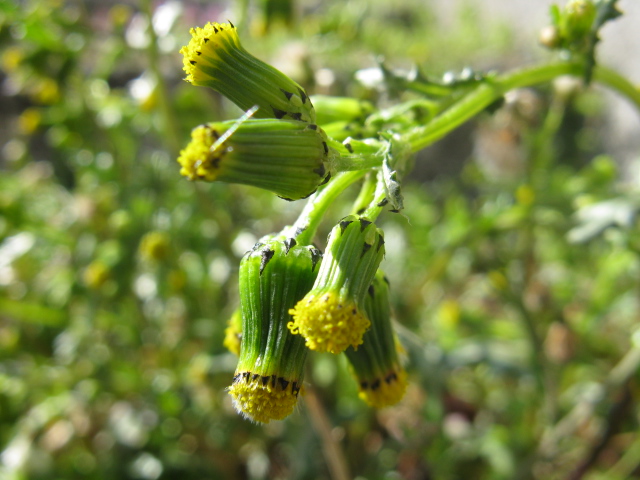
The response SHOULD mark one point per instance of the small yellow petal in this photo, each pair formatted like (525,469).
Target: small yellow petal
(197,160)
(328,323)
(203,49)
(264,398)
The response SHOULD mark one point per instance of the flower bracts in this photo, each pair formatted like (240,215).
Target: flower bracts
(285,157)
(331,316)
(215,58)
(274,275)
(381,378)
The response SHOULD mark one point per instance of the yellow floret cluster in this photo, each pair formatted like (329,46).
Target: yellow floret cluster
(203,49)
(328,323)
(197,160)
(263,401)
(386,390)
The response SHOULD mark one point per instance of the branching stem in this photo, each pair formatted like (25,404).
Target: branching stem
(310,217)
(494,88)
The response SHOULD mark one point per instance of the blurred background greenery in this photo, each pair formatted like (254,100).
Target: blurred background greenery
(515,267)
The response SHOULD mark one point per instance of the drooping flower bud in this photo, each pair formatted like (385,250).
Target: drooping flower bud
(215,58)
(274,275)
(382,380)
(286,157)
(331,316)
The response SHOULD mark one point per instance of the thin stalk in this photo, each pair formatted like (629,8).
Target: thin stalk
(344,163)
(618,83)
(543,146)
(366,194)
(311,216)
(333,454)
(619,375)
(377,203)
(542,154)
(535,342)
(627,464)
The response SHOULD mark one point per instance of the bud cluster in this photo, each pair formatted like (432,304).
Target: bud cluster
(293,298)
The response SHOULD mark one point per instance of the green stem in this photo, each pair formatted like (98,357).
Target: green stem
(618,83)
(543,145)
(311,216)
(483,96)
(377,203)
(333,452)
(366,193)
(494,88)
(346,163)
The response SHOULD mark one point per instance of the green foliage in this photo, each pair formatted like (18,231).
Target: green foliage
(514,284)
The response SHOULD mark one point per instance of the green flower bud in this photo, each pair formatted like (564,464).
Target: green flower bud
(331,316)
(550,37)
(215,58)
(571,26)
(382,381)
(286,157)
(274,275)
(578,18)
